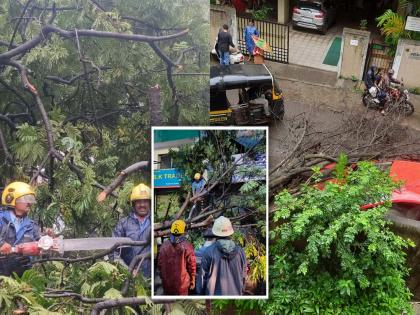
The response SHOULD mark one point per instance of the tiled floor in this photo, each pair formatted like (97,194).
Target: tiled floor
(307,48)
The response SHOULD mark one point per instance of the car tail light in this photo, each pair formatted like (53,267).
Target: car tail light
(320,15)
(296,10)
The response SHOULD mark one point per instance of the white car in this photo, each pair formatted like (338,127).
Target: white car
(235,55)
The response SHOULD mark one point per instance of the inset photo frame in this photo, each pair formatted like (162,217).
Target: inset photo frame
(210,212)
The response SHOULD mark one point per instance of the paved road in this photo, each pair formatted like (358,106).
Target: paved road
(325,107)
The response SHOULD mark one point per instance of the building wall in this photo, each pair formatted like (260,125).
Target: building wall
(283,9)
(407,62)
(220,15)
(354,48)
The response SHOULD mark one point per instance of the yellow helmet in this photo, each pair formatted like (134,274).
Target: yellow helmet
(140,192)
(178,227)
(14,191)
(197,176)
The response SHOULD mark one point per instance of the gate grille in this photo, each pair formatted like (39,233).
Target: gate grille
(276,34)
(379,55)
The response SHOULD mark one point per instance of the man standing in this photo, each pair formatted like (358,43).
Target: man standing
(250,31)
(198,184)
(197,187)
(224,41)
(371,77)
(209,240)
(137,226)
(176,262)
(15,227)
(223,265)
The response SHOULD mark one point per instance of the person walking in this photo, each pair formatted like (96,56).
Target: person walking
(177,262)
(250,31)
(224,41)
(223,265)
(137,226)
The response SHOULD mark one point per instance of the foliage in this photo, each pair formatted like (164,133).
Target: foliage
(255,254)
(328,256)
(413,4)
(94,91)
(415,90)
(392,26)
(102,279)
(333,258)
(262,13)
(219,154)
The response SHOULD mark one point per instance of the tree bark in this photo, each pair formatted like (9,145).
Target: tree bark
(155,106)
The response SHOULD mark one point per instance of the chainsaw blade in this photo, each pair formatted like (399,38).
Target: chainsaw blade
(81,244)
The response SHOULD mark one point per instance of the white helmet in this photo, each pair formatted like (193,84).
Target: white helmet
(373,91)
(222,227)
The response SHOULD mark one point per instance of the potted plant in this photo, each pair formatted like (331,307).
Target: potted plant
(363,24)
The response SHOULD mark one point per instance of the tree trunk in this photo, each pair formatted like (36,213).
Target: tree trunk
(155,106)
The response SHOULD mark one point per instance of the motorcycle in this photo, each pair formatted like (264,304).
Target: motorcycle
(397,98)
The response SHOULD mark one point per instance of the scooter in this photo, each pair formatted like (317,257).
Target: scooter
(235,57)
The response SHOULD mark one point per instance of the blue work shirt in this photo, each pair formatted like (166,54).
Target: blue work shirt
(249,31)
(14,231)
(197,187)
(137,230)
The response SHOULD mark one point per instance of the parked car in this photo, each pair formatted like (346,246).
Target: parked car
(405,211)
(314,14)
(236,57)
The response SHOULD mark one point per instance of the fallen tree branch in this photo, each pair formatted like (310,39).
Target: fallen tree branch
(190,226)
(275,168)
(69,294)
(120,178)
(128,301)
(48,29)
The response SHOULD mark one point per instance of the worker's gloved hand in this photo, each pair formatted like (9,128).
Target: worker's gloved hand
(192,284)
(5,249)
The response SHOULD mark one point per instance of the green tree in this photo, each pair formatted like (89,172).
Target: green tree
(329,257)
(78,88)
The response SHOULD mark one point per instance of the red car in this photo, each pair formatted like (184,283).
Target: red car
(405,200)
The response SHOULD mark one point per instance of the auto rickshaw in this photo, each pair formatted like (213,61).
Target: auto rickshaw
(244,94)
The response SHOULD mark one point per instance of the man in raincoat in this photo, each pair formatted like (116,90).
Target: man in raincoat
(250,31)
(223,265)
(15,227)
(137,226)
(177,262)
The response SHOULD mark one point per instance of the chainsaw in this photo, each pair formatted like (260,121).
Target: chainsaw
(61,245)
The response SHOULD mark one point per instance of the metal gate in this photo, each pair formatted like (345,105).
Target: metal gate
(379,54)
(276,34)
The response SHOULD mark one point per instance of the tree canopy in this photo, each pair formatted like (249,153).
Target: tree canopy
(81,82)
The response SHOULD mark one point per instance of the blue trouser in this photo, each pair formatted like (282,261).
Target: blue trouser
(224,58)
(381,95)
